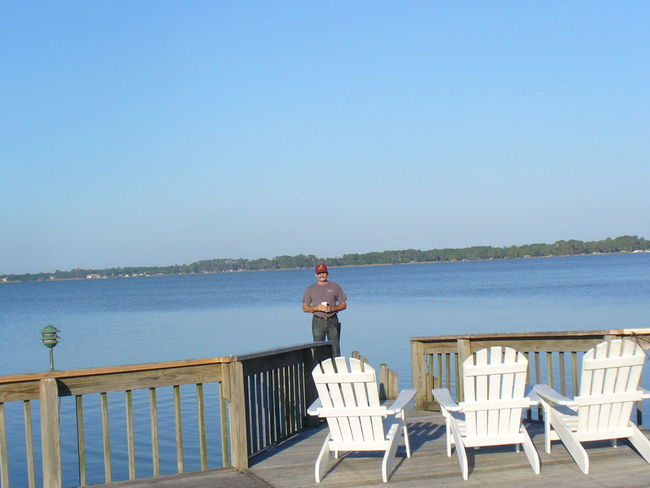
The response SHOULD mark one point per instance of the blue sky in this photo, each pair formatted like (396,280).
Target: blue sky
(158,132)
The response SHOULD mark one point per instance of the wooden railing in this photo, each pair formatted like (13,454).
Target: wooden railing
(258,400)
(50,388)
(278,388)
(553,358)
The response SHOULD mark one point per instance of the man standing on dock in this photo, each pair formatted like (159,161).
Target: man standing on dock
(324,299)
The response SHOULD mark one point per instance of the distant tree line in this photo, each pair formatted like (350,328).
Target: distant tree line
(474,253)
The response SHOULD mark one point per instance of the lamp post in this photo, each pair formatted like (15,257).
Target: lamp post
(50,339)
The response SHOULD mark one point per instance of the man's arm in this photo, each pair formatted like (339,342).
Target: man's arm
(318,308)
(306,300)
(325,308)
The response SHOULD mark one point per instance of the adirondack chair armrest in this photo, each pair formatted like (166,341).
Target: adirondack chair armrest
(646,393)
(314,407)
(443,397)
(532,395)
(549,395)
(402,400)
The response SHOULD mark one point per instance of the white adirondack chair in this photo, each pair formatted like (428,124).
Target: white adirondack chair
(609,387)
(349,400)
(494,384)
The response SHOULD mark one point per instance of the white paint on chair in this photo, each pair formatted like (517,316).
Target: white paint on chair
(494,385)
(349,400)
(609,388)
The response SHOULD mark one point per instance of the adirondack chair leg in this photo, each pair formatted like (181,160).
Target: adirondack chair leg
(407,443)
(574,447)
(460,448)
(405,433)
(547,427)
(614,443)
(640,442)
(389,456)
(517,447)
(447,431)
(323,460)
(529,449)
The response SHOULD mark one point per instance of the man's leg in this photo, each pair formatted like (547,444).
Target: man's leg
(334,335)
(318,328)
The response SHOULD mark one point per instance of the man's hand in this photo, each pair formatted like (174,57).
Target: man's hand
(316,308)
(324,308)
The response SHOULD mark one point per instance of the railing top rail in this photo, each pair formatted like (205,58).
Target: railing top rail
(129,368)
(533,335)
(279,350)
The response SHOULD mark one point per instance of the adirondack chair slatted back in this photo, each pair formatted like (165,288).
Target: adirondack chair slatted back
(494,386)
(350,394)
(609,386)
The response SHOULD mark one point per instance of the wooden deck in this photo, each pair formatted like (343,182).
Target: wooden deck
(291,465)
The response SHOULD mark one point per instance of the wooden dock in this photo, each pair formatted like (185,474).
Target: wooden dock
(291,465)
(256,406)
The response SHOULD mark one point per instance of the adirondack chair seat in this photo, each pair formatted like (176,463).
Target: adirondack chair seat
(486,441)
(394,413)
(567,414)
(495,396)
(348,398)
(609,387)
(389,423)
(453,410)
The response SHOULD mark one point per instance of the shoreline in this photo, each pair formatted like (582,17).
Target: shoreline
(6,281)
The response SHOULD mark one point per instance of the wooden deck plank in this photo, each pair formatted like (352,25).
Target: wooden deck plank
(291,465)
(218,478)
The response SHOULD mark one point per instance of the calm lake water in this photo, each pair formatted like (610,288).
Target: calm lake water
(136,320)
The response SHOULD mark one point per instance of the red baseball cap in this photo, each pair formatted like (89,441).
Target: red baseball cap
(321,268)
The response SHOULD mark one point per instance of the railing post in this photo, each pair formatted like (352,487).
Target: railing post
(360,357)
(383,382)
(237,410)
(4,463)
(393,384)
(464,351)
(50,433)
(418,365)
(224,395)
